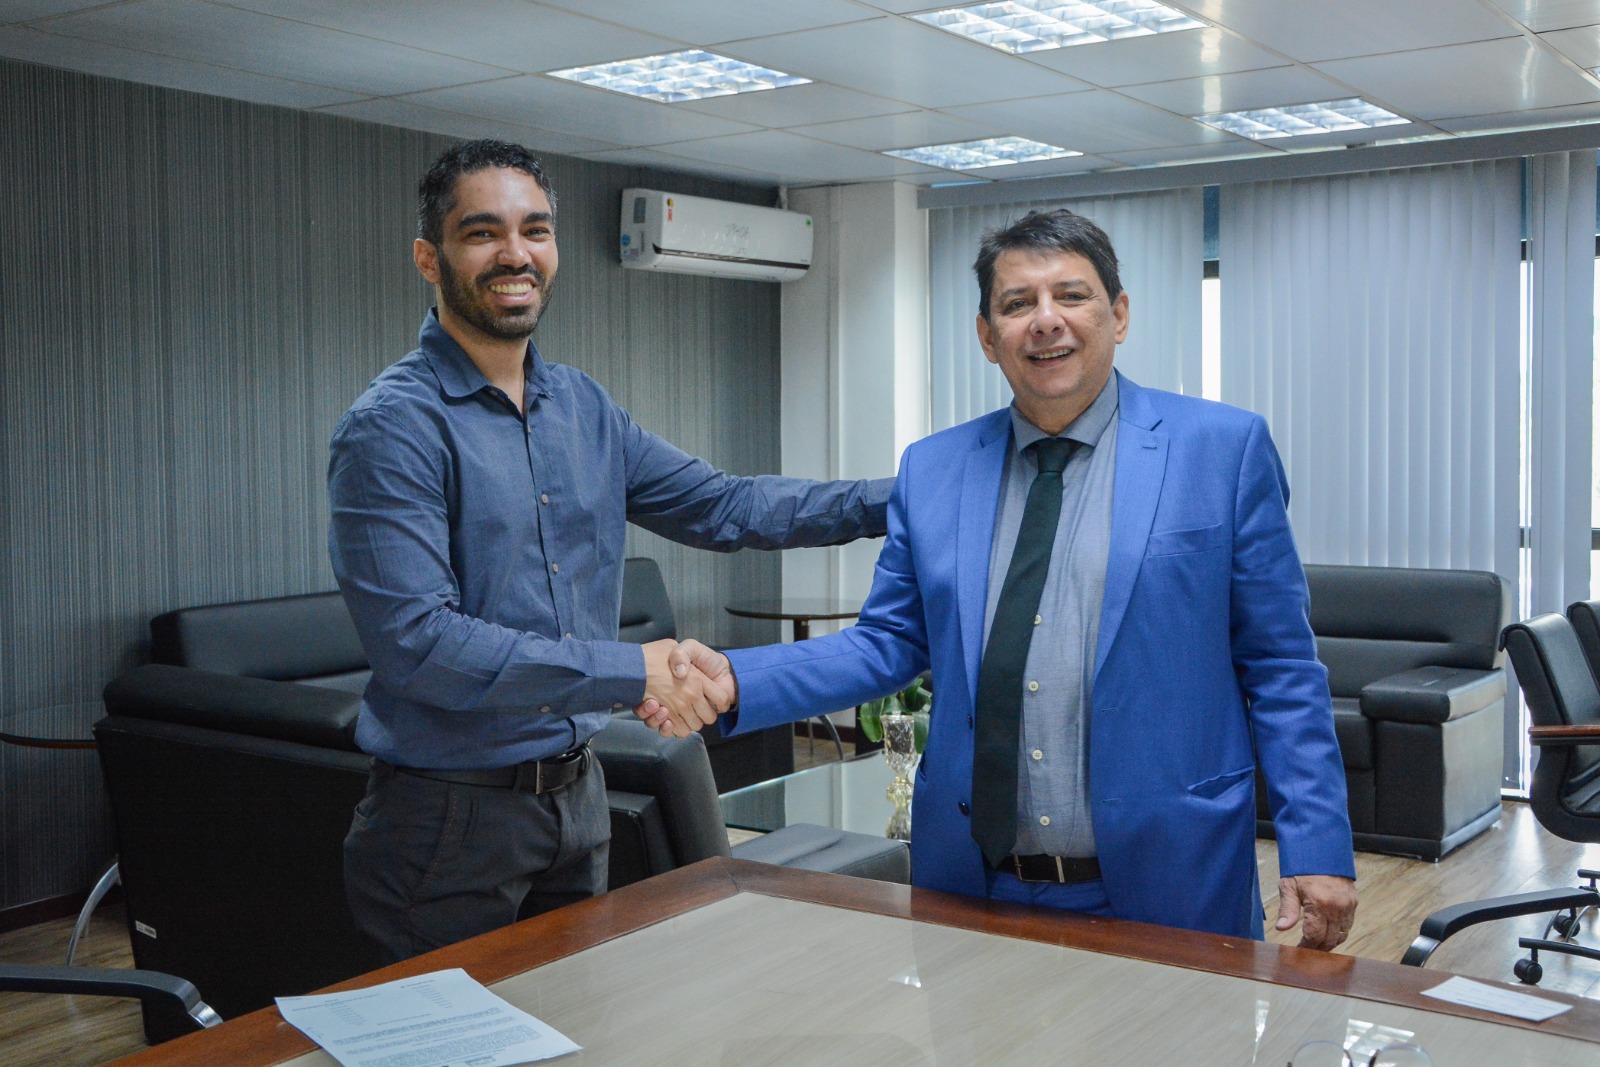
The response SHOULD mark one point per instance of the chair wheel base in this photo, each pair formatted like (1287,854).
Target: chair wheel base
(1528,971)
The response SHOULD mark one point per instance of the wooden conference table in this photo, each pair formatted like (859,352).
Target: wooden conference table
(736,963)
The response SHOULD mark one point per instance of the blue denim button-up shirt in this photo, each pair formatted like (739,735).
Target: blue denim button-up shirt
(480,550)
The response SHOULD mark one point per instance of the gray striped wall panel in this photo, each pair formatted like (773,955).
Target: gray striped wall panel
(194,289)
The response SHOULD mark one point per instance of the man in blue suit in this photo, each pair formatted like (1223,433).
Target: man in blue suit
(1169,650)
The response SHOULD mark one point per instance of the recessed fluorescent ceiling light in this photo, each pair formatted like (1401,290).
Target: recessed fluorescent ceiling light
(1032,25)
(972,155)
(1297,119)
(690,75)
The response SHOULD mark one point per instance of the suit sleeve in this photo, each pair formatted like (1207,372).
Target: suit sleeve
(886,648)
(1284,685)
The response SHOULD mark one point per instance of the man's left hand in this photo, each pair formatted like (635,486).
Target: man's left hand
(1326,903)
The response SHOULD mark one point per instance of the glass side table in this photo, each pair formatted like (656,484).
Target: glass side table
(847,796)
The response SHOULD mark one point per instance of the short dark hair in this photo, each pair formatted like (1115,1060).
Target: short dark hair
(436,192)
(1047,231)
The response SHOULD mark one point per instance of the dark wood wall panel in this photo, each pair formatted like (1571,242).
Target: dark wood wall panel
(194,290)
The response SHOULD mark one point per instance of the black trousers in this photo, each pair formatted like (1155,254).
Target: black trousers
(429,863)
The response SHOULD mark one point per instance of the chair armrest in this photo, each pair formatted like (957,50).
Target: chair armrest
(166,992)
(284,711)
(1432,694)
(1564,736)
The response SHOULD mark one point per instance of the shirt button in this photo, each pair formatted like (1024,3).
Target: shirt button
(1037,619)
(544,498)
(1037,754)
(555,568)
(1033,687)
(567,634)
(1044,820)
(545,709)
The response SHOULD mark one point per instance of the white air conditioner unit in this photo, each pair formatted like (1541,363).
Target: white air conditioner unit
(693,235)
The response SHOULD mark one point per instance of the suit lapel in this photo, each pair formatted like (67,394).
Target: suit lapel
(1141,466)
(980,494)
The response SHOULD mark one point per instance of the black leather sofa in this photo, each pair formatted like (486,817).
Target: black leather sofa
(311,640)
(231,798)
(1418,690)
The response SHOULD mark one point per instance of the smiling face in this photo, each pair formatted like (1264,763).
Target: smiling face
(497,262)
(1052,331)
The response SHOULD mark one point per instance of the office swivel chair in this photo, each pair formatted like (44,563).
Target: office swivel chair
(174,1000)
(1564,703)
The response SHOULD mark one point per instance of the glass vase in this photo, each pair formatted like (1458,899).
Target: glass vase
(900,750)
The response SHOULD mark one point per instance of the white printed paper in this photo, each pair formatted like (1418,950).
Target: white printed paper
(1493,998)
(443,1019)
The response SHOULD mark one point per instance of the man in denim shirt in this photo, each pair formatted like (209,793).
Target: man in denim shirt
(479,502)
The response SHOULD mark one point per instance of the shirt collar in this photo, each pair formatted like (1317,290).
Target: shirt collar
(458,375)
(1086,429)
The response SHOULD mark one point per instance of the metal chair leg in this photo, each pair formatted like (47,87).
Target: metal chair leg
(833,732)
(113,876)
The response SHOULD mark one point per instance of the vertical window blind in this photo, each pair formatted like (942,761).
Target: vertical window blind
(1374,320)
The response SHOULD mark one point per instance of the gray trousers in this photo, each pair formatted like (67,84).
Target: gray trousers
(429,863)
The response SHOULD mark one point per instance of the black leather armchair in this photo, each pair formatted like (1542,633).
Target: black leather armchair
(231,798)
(1564,703)
(311,640)
(1418,694)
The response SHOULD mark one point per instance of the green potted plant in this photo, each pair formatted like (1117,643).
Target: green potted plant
(914,700)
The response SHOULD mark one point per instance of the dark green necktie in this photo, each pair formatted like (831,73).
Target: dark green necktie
(1005,658)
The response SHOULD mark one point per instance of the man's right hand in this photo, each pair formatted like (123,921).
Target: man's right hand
(692,667)
(685,700)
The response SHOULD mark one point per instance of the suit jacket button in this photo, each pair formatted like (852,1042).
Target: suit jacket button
(964,809)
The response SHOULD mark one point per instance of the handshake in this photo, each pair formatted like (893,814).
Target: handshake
(686,686)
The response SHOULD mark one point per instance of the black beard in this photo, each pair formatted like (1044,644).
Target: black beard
(513,325)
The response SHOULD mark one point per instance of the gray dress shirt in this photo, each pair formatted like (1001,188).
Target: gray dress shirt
(1053,766)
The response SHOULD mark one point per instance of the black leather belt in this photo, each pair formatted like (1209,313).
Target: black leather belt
(1064,870)
(534,776)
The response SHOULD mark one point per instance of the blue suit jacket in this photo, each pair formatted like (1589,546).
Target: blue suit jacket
(1205,659)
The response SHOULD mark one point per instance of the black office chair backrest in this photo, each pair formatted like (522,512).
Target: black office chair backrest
(1560,690)
(1585,619)
(646,608)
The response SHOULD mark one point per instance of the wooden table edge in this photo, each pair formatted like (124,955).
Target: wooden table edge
(263,1037)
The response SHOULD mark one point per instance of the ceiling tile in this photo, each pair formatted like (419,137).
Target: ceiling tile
(910,130)
(904,61)
(89,57)
(650,157)
(413,116)
(512,34)
(243,40)
(26,10)
(901,7)
(1550,116)
(1236,92)
(1582,46)
(789,157)
(795,105)
(1157,57)
(702,23)
(1469,79)
(1311,30)
(1542,15)
(1094,121)
(551,104)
